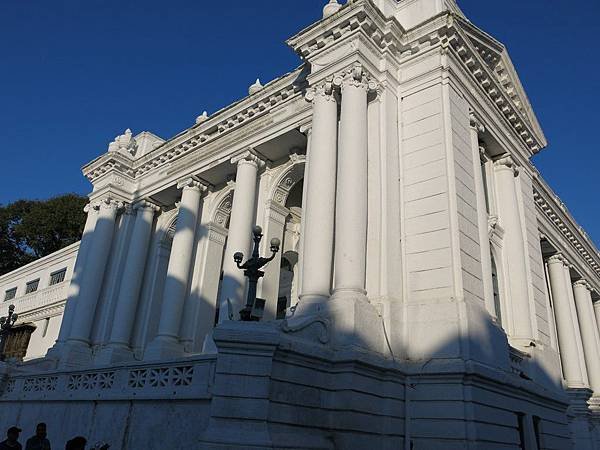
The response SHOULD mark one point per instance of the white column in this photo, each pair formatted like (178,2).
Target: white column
(482,219)
(239,238)
(597,312)
(567,339)
(133,274)
(166,343)
(520,330)
(91,286)
(319,213)
(76,278)
(308,132)
(351,193)
(589,332)
(201,321)
(276,216)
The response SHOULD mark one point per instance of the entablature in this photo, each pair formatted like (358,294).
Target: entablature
(222,123)
(556,216)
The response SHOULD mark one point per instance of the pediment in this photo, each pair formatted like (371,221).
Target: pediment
(497,58)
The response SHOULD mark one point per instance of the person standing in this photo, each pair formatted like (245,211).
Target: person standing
(12,440)
(39,441)
(77,443)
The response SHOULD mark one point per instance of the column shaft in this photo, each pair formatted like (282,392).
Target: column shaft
(567,341)
(95,267)
(127,301)
(482,220)
(319,214)
(589,333)
(351,193)
(520,328)
(166,343)
(78,271)
(240,234)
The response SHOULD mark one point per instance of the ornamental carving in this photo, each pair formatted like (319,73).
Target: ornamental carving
(583,284)
(249,157)
(91,381)
(192,183)
(292,174)
(223,211)
(124,143)
(558,258)
(311,328)
(507,162)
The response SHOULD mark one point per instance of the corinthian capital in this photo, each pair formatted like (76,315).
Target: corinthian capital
(356,76)
(507,163)
(146,204)
(109,203)
(323,89)
(249,157)
(192,183)
(558,258)
(583,283)
(91,208)
(476,123)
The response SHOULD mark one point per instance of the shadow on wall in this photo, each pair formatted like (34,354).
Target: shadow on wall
(465,390)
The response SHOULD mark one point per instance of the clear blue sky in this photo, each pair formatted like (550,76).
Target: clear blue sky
(76,73)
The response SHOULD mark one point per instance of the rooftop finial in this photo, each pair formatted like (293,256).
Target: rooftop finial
(202,118)
(256,87)
(331,8)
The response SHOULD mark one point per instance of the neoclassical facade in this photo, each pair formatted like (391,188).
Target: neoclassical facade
(431,292)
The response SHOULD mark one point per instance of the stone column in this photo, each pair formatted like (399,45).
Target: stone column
(89,292)
(276,216)
(76,279)
(166,343)
(520,329)
(319,214)
(307,130)
(597,312)
(567,339)
(482,219)
(118,348)
(200,324)
(239,239)
(351,192)
(589,332)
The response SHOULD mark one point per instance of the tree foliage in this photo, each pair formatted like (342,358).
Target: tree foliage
(31,229)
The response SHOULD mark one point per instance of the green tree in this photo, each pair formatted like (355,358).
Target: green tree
(31,229)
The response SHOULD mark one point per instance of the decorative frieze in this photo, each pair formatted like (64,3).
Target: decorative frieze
(555,213)
(179,380)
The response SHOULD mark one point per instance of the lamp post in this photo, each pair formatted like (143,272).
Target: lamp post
(6,324)
(252,270)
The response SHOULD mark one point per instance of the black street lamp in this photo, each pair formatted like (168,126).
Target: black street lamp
(252,270)
(6,324)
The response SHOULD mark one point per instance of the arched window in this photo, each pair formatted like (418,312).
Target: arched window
(496,290)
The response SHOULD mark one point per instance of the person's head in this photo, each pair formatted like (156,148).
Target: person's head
(13,434)
(40,430)
(77,443)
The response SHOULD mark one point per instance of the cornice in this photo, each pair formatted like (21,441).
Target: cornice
(359,16)
(496,56)
(484,76)
(556,213)
(63,255)
(272,96)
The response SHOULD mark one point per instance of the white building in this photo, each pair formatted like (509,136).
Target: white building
(432,292)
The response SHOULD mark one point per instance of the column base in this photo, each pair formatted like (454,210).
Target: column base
(113,353)
(356,322)
(55,351)
(163,347)
(209,347)
(75,354)
(352,321)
